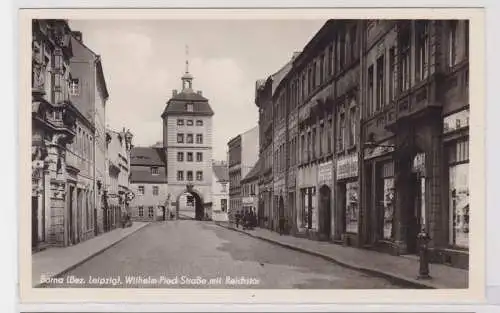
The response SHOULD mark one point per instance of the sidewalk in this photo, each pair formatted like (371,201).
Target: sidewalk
(56,261)
(397,268)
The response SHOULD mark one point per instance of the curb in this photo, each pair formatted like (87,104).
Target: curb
(374,272)
(43,285)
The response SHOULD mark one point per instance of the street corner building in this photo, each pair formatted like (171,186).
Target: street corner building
(243,153)
(364,141)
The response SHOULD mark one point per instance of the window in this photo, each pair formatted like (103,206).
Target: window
(353,43)
(180,138)
(141,211)
(380,84)
(151,212)
(467,38)
(352,126)
(155,171)
(341,50)
(189,138)
(180,156)
(369,97)
(189,107)
(452,43)
(180,175)
(190,175)
(404,61)
(199,138)
(190,156)
(180,122)
(458,159)
(341,136)
(140,191)
(155,190)
(223,205)
(392,74)
(189,122)
(351,207)
(199,157)
(321,68)
(330,61)
(199,123)
(329,142)
(199,175)
(422,66)
(74,87)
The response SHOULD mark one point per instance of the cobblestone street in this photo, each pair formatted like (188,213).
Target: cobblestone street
(192,254)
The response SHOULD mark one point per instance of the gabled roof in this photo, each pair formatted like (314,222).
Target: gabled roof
(148,156)
(254,172)
(221,172)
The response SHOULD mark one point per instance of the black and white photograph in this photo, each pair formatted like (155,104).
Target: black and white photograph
(290,153)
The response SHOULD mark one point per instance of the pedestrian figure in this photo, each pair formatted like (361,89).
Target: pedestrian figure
(282,225)
(237,218)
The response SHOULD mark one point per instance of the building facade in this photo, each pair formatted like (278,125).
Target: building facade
(243,155)
(220,191)
(89,93)
(187,140)
(250,190)
(119,145)
(380,112)
(149,184)
(53,128)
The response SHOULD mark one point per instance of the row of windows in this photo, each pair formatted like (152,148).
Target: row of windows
(249,190)
(180,122)
(189,138)
(189,175)
(189,156)
(141,191)
(150,211)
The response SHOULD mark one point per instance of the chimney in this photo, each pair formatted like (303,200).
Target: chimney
(199,92)
(174,92)
(77,35)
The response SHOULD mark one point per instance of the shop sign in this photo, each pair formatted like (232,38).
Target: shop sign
(371,153)
(347,166)
(247,200)
(456,121)
(419,163)
(325,172)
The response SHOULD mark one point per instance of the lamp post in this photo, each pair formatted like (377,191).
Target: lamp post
(423,237)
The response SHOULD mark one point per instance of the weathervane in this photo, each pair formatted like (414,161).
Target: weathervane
(187,59)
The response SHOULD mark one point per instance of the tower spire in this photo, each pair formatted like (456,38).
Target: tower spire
(187,59)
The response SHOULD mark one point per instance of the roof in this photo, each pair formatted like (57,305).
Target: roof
(142,176)
(254,172)
(148,156)
(177,105)
(221,171)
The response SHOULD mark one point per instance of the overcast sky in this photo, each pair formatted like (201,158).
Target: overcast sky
(144,60)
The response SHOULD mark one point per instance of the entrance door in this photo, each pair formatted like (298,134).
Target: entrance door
(71,238)
(34,221)
(325,195)
(414,219)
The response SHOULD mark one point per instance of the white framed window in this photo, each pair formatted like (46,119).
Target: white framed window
(199,123)
(189,107)
(180,138)
(199,156)
(140,191)
(199,175)
(189,138)
(141,211)
(155,190)
(180,122)
(190,175)
(199,138)
(180,156)
(189,122)
(180,175)
(151,212)
(74,87)
(155,171)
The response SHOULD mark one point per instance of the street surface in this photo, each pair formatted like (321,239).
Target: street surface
(195,254)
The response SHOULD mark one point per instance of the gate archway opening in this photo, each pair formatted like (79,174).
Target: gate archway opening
(190,205)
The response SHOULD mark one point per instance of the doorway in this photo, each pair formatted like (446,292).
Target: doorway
(325,201)
(34,222)
(415,214)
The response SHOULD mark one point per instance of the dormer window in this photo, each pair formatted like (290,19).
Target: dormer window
(189,107)
(74,87)
(155,171)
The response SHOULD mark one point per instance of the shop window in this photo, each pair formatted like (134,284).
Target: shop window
(351,207)
(388,200)
(458,156)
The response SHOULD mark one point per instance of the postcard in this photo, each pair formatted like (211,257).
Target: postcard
(252,155)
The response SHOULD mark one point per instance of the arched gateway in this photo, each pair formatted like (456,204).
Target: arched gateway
(189,204)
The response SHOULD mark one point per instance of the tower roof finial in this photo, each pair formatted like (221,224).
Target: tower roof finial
(187,59)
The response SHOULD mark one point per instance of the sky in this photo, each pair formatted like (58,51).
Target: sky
(143,61)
